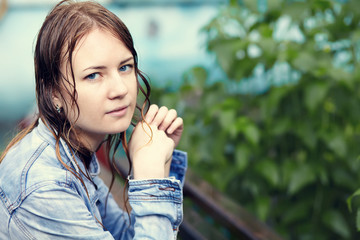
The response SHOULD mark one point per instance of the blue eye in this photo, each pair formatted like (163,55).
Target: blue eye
(125,68)
(93,76)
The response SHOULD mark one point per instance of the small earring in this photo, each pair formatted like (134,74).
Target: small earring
(58,109)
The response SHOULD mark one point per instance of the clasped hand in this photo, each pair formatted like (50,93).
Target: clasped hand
(152,143)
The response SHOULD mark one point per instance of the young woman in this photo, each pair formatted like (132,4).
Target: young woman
(87,85)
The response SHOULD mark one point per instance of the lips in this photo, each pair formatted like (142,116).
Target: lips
(117,110)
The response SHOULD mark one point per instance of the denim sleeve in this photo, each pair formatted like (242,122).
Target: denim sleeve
(114,218)
(179,166)
(55,211)
(157,204)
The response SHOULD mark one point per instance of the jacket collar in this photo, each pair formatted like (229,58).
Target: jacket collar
(44,131)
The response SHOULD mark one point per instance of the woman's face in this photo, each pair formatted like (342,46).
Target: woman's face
(106,87)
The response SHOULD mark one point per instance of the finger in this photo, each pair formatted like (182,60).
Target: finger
(177,124)
(168,120)
(151,113)
(160,116)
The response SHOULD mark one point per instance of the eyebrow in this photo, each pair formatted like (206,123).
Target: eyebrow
(104,67)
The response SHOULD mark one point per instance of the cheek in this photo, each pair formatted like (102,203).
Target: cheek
(88,101)
(133,87)
(85,102)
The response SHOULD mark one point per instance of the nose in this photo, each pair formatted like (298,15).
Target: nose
(117,86)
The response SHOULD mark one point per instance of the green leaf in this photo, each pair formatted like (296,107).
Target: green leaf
(242,68)
(358,220)
(336,222)
(249,129)
(233,3)
(274,4)
(297,10)
(241,123)
(170,100)
(262,207)
(225,50)
(306,133)
(342,178)
(241,157)
(329,106)
(280,126)
(355,36)
(315,94)
(270,104)
(342,76)
(251,4)
(196,76)
(227,118)
(323,175)
(266,32)
(297,212)
(269,170)
(301,177)
(305,62)
(231,103)
(287,169)
(348,201)
(338,145)
(252,133)
(269,46)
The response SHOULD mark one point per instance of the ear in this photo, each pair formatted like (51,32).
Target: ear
(56,100)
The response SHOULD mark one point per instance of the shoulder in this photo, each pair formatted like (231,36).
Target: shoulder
(29,165)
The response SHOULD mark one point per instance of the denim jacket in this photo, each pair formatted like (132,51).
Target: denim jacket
(41,199)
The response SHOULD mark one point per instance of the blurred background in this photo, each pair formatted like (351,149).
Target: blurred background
(269,91)
(166,35)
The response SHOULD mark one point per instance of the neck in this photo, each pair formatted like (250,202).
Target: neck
(90,141)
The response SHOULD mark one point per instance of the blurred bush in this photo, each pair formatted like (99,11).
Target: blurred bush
(290,153)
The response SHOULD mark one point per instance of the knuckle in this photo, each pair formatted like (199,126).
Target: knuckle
(162,134)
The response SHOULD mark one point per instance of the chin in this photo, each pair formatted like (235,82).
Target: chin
(118,130)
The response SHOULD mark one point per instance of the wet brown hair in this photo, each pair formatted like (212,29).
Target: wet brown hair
(63,28)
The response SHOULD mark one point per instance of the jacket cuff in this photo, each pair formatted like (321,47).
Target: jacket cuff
(157,197)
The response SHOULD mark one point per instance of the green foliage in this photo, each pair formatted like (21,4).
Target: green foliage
(290,155)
